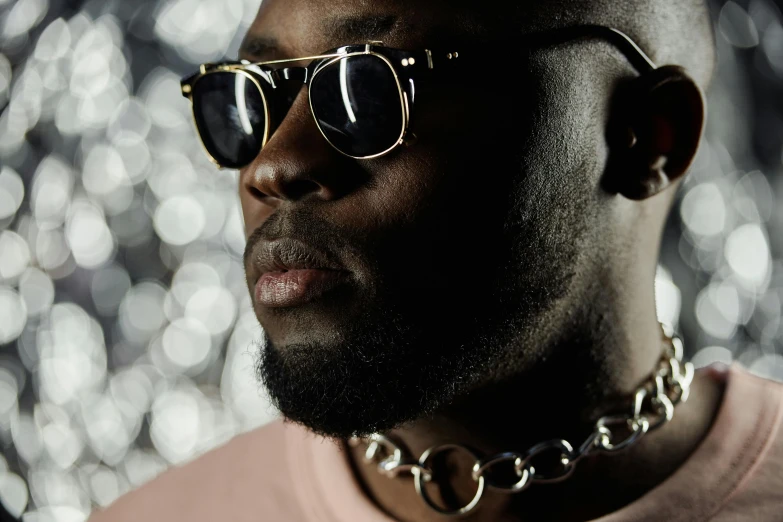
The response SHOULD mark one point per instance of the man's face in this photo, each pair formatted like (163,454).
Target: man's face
(454,246)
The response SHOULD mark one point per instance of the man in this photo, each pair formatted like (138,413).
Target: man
(453,227)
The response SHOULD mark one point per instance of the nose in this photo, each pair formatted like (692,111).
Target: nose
(297,165)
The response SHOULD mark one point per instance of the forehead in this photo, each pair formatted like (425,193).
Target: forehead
(289,28)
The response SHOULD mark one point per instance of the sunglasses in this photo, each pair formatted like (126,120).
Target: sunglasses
(361,96)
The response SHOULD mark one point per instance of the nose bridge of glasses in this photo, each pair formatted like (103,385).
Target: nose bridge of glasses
(298,74)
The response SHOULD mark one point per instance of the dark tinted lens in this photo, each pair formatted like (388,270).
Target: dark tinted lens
(229,112)
(357,104)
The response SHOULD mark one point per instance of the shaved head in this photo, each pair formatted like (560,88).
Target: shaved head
(670,31)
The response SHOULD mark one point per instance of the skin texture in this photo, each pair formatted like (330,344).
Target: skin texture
(501,266)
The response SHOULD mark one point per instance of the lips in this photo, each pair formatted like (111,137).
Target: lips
(296,287)
(291,273)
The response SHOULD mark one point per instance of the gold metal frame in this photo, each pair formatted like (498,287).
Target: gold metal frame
(187,90)
(403,102)
(242,68)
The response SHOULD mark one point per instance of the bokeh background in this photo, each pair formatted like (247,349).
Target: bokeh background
(125,329)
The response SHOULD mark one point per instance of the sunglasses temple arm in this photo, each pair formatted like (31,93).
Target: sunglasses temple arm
(447,58)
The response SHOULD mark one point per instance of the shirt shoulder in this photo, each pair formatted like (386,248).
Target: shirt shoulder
(247,479)
(734,473)
(759,496)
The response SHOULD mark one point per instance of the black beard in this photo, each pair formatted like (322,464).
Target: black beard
(384,374)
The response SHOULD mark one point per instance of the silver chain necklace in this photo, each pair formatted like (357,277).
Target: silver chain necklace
(653,406)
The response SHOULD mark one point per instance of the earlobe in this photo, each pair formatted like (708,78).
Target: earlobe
(654,132)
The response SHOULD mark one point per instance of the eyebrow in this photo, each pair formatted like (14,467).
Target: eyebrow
(363,27)
(345,29)
(258,46)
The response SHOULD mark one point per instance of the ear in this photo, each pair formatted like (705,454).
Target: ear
(654,132)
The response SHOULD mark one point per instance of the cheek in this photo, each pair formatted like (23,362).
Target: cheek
(562,148)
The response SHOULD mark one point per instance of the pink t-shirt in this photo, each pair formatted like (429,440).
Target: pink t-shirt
(281,472)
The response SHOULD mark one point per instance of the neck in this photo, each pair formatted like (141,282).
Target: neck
(588,372)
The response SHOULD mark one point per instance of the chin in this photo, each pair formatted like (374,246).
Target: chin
(378,372)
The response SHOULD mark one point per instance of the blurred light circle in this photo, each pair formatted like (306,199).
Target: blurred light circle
(141,466)
(65,116)
(54,83)
(95,111)
(46,413)
(756,196)
(14,494)
(14,124)
(95,38)
(214,307)
(14,255)
(52,487)
(748,255)
(141,311)
(9,396)
(668,299)
(37,290)
(110,25)
(175,425)
(62,443)
(703,210)
(54,42)
(8,378)
(75,330)
(90,75)
(137,158)
(198,31)
(234,231)
(103,171)
(51,249)
(90,240)
(238,385)
(105,486)
(179,220)
(109,285)
(130,123)
(27,437)
(771,43)
(13,316)
(133,386)
(67,377)
(737,26)
(106,430)
(23,16)
(186,343)
(718,310)
(51,196)
(6,74)
(190,278)
(72,355)
(105,178)
(769,366)
(711,354)
(56,513)
(214,207)
(172,174)
(11,192)
(27,96)
(166,107)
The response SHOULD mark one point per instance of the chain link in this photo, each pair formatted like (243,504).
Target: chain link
(653,406)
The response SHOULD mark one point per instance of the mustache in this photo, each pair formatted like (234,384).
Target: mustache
(302,225)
